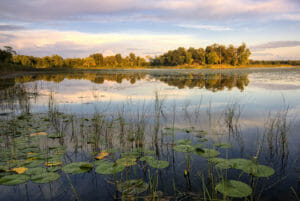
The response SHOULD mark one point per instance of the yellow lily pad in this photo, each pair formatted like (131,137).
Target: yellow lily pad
(102,155)
(19,170)
(38,134)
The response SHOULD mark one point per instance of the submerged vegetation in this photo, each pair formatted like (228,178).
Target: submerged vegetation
(138,154)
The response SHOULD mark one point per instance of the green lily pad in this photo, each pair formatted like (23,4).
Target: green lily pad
(208,153)
(184,142)
(158,164)
(33,163)
(53,169)
(133,154)
(224,145)
(14,179)
(54,135)
(220,163)
(233,188)
(126,161)
(132,187)
(107,167)
(183,148)
(259,170)
(203,140)
(240,163)
(77,167)
(36,171)
(45,177)
(147,158)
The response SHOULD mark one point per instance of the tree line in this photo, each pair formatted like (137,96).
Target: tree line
(211,55)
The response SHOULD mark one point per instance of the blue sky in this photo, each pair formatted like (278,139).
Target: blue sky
(77,28)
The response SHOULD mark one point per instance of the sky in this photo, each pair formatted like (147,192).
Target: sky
(78,28)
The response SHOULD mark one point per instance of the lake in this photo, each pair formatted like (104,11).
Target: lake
(151,135)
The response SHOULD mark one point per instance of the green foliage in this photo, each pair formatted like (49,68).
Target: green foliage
(107,167)
(132,187)
(77,167)
(14,179)
(234,188)
(45,177)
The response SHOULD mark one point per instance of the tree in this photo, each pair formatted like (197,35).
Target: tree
(212,58)
(89,62)
(98,58)
(118,59)
(243,54)
(57,61)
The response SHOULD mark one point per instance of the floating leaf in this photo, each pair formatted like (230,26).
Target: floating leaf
(233,188)
(259,170)
(107,167)
(102,155)
(77,167)
(224,145)
(45,177)
(183,148)
(158,164)
(126,161)
(183,142)
(14,179)
(147,158)
(36,171)
(54,135)
(240,163)
(53,169)
(19,170)
(132,187)
(208,153)
(38,134)
(33,163)
(220,163)
(53,163)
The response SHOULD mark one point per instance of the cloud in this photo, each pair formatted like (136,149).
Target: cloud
(275,44)
(10,27)
(205,27)
(164,10)
(79,44)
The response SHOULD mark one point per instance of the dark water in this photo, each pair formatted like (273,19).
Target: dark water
(256,111)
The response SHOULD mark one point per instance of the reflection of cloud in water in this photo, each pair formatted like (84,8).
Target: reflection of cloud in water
(83,91)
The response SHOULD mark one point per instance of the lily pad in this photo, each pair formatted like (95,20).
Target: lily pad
(224,145)
(220,163)
(208,153)
(240,163)
(132,187)
(45,177)
(158,164)
(77,167)
(107,167)
(53,169)
(126,161)
(147,158)
(183,142)
(183,148)
(233,188)
(54,135)
(36,171)
(259,170)
(14,179)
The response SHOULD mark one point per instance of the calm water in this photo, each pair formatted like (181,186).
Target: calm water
(256,111)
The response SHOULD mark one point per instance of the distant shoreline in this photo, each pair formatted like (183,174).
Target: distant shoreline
(17,70)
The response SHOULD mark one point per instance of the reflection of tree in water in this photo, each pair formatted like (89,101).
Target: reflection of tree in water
(213,82)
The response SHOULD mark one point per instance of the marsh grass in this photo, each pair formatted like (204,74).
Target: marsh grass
(140,129)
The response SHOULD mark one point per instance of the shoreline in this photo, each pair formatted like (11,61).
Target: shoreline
(33,71)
